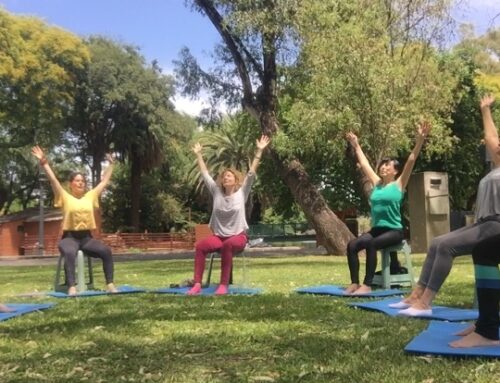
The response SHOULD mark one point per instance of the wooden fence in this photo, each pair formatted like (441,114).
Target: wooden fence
(119,242)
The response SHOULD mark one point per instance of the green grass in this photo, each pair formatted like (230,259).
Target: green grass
(275,337)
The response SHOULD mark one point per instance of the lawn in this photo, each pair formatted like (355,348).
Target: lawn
(278,336)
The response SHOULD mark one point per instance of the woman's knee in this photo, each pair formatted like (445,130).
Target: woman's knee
(351,247)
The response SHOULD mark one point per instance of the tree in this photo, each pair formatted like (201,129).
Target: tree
(382,76)
(123,106)
(270,45)
(38,68)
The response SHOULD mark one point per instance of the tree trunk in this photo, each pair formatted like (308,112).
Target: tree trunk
(135,192)
(331,232)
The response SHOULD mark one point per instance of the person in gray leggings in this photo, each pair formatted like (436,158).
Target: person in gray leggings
(445,248)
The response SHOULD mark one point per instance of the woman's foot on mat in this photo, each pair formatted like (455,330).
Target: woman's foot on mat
(474,340)
(351,288)
(111,288)
(5,309)
(418,308)
(72,290)
(466,331)
(221,290)
(399,305)
(195,290)
(362,290)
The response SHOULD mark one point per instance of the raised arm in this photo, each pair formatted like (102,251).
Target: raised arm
(261,145)
(54,182)
(199,158)
(106,177)
(423,130)
(363,161)
(490,132)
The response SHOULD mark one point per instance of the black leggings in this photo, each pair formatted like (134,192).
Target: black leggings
(377,238)
(486,256)
(72,241)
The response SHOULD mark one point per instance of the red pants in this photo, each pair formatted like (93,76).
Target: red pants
(227,246)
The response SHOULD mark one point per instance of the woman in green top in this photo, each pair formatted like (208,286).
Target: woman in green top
(385,200)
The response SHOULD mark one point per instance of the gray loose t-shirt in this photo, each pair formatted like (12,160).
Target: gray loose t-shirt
(228,213)
(488,195)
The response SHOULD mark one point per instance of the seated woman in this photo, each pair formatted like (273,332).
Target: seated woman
(445,248)
(486,257)
(78,220)
(5,309)
(385,200)
(228,221)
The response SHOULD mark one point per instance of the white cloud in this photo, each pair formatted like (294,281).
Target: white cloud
(189,106)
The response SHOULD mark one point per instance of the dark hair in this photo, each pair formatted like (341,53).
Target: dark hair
(72,176)
(386,160)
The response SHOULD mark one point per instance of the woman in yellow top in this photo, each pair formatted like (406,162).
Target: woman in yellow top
(78,220)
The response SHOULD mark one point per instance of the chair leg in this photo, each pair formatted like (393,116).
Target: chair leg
(209,274)
(409,266)
(386,269)
(80,262)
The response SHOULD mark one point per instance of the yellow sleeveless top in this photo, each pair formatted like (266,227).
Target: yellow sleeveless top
(78,213)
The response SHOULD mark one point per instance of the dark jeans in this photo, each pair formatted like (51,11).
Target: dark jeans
(486,256)
(377,238)
(72,241)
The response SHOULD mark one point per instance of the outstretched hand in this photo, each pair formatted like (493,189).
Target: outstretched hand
(38,152)
(352,138)
(196,148)
(263,142)
(423,129)
(486,101)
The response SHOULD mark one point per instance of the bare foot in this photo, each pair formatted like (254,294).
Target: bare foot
(351,288)
(414,296)
(221,290)
(5,309)
(195,290)
(419,305)
(111,288)
(466,331)
(474,340)
(72,290)
(363,289)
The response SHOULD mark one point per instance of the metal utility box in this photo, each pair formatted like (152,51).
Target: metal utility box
(429,204)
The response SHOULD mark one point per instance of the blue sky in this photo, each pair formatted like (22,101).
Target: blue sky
(160,28)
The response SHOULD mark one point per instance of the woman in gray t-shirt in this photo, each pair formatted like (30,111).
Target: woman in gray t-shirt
(445,248)
(228,222)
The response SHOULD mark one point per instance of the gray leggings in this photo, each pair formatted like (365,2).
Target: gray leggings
(73,241)
(443,249)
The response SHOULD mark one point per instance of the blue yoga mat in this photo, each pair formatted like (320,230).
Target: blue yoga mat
(208,290)
(22,309)
(94,293)
(338,291)
(434,340)
(438,312)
